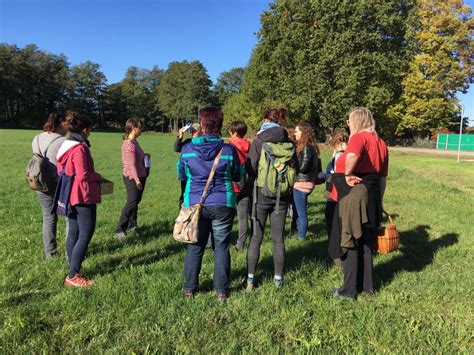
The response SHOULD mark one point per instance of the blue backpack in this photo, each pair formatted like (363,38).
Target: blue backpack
(61,205)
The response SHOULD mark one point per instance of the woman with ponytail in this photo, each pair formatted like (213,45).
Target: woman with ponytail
(47,145)
(134,176)
(75,159)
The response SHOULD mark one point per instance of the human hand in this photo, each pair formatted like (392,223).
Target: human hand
(139,185)
(353,180)
(181,132)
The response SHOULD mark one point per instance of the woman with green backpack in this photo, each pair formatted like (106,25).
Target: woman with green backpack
(272,162)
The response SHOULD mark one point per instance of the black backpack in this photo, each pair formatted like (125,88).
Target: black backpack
(39,173)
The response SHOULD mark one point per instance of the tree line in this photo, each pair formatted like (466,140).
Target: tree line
(404,59)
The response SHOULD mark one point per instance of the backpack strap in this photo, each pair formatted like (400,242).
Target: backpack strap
(211,176)
(47,147)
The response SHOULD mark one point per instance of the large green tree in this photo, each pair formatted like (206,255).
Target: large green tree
(228,83)
(87,88)
(442,66)
(32,84)
(184,88)
(320,58)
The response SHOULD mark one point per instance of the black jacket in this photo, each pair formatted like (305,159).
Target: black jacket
(308,164)
(271,135)
(179,144)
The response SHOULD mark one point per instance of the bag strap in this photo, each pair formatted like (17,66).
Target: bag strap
(211,176)
(47,147)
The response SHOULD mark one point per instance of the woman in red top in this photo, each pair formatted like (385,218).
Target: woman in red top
(134,176)
(365,161)
(75,158)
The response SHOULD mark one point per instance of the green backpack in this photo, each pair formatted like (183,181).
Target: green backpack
(275,175)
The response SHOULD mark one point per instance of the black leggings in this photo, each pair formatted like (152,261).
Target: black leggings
(277,228)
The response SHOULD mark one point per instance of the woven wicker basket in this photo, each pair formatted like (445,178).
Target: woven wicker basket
(388,239)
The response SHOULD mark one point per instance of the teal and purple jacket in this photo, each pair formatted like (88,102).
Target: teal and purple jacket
(195,164)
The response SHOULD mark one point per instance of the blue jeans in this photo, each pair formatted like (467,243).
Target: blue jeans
(81,228)
(300,213)
(217,221)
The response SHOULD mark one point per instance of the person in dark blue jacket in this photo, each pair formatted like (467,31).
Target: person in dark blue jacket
(218,210)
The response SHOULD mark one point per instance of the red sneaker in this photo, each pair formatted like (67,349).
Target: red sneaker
(77,281)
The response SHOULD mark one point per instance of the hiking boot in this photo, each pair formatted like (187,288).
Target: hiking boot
(222,296)
(77,281)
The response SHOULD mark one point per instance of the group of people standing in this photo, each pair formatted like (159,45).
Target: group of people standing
(236,189)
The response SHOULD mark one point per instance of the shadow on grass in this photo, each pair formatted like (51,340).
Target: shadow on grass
(142,236)
(309,251)
(144,257)
(417,252)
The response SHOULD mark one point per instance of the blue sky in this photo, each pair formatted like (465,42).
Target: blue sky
(120,33)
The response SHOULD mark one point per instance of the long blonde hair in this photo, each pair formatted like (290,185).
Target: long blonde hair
(362,119)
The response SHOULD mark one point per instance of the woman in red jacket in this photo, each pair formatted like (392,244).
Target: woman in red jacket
(75,158)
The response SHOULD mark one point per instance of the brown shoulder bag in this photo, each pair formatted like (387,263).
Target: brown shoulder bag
(186,226)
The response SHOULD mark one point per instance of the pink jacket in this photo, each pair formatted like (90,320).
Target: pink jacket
(77,158)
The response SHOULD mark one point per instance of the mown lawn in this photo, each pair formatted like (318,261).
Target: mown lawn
(424,300)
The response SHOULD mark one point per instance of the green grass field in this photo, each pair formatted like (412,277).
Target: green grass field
(424,299)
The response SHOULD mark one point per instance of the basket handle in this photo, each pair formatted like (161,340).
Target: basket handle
(390,220)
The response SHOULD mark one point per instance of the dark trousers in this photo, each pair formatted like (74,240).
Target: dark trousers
(329,214)
(81,228)
(357,267)
(244,202)
(217,222)
(128,218)
(277,227)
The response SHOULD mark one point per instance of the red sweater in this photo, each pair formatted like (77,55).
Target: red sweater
(242,146)
(133,160)
(77,159)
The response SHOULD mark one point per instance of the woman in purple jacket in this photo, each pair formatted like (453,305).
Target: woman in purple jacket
(218,210)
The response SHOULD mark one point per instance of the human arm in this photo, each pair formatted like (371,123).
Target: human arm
(236,175)
(83,166)
(350,164)
(305,163)
(178,143)
(251,163)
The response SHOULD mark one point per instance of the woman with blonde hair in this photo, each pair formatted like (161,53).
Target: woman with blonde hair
(308,167)
(361,172)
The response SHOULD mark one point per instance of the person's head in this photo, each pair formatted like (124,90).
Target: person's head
(275,115)
(304,135)
(339,141)
(237,129)
(195,130)
(291,132)
(211,119)
(361,119)
(56,123)
(78,123)
(133,128)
